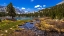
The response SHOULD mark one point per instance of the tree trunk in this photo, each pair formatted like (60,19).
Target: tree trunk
(12,17)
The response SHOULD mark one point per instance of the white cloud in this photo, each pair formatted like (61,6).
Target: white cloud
(44,5)
(37,6)
(32,0)
(23,8)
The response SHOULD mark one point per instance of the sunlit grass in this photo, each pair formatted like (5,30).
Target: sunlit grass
(48,26)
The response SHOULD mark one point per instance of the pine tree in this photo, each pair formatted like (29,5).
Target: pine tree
(11,10)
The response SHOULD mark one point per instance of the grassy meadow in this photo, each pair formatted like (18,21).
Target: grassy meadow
(8,27)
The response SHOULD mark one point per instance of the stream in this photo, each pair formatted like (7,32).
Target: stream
(31,26)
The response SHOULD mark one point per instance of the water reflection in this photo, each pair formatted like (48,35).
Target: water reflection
(23,18)
(28,25)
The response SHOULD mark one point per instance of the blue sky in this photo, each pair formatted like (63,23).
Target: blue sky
(30,5)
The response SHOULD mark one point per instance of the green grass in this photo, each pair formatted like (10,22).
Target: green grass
(6,25)
(11,24)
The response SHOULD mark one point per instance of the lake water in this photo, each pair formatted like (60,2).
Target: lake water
(23,18)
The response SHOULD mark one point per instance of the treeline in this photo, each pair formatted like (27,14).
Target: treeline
(55,12)
(29,14)
(2,14)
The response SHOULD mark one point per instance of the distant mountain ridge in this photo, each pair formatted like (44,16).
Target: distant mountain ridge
(60,2)
(3,9)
